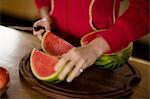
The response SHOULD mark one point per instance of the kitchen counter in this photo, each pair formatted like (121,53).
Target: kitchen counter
(15,44)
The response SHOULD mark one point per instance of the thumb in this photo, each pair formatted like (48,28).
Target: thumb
(39,37)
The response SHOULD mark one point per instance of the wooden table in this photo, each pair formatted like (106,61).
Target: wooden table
(15,44)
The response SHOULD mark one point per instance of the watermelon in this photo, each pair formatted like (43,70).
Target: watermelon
(43,66)
(4,80)
(54,45)
(109,60)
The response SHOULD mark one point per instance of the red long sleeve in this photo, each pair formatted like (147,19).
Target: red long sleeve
(133,24)
(42,3)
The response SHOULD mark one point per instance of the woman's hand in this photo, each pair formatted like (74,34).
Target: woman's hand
(78,59)
(44,22)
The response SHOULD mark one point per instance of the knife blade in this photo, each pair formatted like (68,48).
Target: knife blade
(22,28)
(29,29)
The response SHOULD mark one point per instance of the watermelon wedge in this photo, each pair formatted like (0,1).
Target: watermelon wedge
(54,45)
(43,66)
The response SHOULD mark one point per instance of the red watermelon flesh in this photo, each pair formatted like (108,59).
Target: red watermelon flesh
(42,65)
(55,45)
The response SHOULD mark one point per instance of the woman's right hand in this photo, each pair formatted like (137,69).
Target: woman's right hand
(44,22)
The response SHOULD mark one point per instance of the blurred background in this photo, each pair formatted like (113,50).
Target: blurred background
(24,13)
(17,12)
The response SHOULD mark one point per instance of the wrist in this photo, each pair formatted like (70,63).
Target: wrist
(99,46)
(47,18)
(44,11)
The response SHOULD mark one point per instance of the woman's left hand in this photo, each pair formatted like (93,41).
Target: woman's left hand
(78,59)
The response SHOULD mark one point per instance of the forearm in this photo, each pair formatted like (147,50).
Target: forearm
(43,7)
(44,11)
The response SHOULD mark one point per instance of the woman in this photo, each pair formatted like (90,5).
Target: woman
(79,17)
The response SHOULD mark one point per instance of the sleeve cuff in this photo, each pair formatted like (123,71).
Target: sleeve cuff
(41,3)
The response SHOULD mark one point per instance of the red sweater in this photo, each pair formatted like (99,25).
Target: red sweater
(80,17)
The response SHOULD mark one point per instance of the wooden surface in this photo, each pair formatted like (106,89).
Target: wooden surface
(15,44)
(93,83)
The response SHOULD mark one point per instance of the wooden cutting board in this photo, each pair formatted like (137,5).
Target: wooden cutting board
(93,83)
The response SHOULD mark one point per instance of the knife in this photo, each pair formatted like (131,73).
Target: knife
(29,29)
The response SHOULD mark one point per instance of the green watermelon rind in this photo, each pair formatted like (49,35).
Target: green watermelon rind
(120,58)
(105,60)
(42,43)
(50,78)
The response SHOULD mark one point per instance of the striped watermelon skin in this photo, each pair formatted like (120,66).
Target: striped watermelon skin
(114,60)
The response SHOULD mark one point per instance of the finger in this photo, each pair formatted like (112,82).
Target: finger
(42,25)
(76,71)
(48,30)
(84,66)
(68,57)
(61,64)
(38,32)
(66,70)
(47,27)
(69,66)
(35,24)
(74,56)
(40,37)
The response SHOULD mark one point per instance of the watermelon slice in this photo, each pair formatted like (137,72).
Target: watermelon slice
(54,45)
(42,66)
(4,80)
(109,60)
